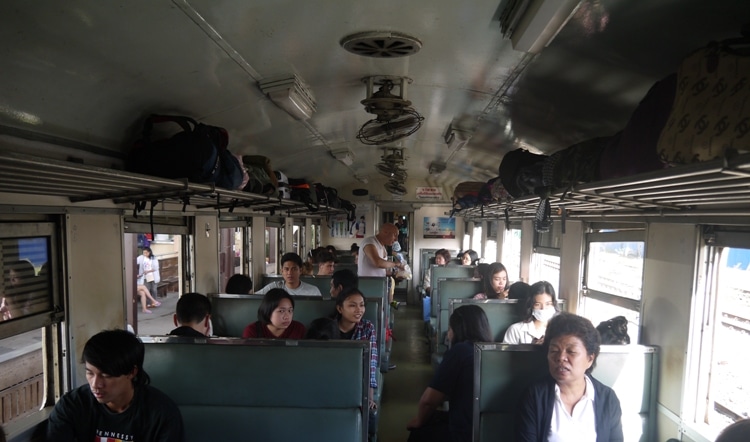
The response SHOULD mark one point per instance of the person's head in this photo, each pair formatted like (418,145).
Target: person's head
(350,306)
(239,284)
(387,234)
(442,257)
(572,345)
(469,323)
(148,253)
(326,263)
(495,281)
(18,273)
(342,280)
(194,310)
(114,365)
(354,250)
(331,249)
(541,303)
(276,311)
(323,329)
(468,257)
(291,268)
(480,271)
(307,269)
(519,290)
(737,432)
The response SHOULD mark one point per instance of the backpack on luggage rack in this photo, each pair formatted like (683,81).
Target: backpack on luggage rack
(199,153)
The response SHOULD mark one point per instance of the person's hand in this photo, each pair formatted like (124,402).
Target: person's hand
(373,405)
(539,341)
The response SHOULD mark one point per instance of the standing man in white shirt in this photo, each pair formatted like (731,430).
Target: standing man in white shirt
(291,269)
(372,253)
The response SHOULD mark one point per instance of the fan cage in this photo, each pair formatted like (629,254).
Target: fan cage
(375,132)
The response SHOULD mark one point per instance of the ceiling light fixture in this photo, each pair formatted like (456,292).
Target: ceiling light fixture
(291,94)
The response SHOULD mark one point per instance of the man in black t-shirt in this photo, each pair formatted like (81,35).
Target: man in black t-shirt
(192,316)
(117,402)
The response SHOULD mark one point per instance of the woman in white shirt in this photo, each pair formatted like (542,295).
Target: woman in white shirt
(541,306)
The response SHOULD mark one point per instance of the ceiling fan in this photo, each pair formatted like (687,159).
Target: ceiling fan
(396,119)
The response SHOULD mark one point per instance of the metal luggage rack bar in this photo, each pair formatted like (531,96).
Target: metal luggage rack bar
(25,174)
(713,188)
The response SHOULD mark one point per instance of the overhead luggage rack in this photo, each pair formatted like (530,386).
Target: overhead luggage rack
(27,174)
(718,188)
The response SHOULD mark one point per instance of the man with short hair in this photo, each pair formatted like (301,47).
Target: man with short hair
(342,280)
(372,253)
(326,263)
(193,316)
(117,403)
(291,268)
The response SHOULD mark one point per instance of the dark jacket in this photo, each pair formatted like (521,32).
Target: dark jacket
(535,412)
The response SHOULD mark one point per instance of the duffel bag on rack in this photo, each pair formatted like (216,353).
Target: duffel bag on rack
(304,192)
(262,178)
(711,108)
(198,152)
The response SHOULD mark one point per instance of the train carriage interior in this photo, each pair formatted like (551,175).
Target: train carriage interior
(600,145)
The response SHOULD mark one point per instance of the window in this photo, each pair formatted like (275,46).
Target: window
(545,267)
(272,248)
(511,257)
(476,239)
(28,263)
(490,247)
(718,370)
(467,238)
(613,277)
(234,249)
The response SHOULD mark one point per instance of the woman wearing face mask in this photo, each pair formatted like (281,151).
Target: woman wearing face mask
(541,306)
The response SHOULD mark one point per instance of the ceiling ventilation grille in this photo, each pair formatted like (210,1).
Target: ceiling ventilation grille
(381,44)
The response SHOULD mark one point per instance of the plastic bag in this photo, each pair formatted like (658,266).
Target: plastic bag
(404,273)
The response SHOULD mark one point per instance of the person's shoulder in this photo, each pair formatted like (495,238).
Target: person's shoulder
(479,296)
(249,330)
(310,289)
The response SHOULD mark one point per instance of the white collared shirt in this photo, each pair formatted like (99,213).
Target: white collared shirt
(522,333)
(580,426)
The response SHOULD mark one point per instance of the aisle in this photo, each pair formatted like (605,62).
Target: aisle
(404,385)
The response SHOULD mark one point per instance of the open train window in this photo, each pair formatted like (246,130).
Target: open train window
(613,276)
(29,257)
(235,240)
(511,252)
(545,261)
(490,246)
(720,333)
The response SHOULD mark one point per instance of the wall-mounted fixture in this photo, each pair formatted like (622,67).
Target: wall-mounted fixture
(291,94)
(436,167)
(361,178)
(532,24)
(344,155)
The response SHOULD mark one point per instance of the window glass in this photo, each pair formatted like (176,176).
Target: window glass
(615,268)
(545,268)
(476,239)
(511,258)
(27,287)
(728,386)
(272,247)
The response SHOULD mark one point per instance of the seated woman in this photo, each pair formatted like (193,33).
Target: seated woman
(350,308)
(275,318)
(468,258)
(569,404)
(454,379)
(442,257)
(495,283)
(541,306)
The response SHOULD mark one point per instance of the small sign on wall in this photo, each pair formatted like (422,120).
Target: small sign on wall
(439,227)
(429,193)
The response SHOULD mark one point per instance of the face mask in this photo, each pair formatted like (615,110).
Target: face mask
(544,314)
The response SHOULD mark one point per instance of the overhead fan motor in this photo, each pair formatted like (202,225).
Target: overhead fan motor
(395,119)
